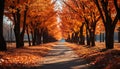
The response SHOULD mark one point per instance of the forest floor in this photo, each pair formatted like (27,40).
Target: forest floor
(23,58)
(59,55)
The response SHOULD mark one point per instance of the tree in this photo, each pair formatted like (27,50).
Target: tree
(22,10)
(107,10)
(2,41)
(39,19)
(86,11)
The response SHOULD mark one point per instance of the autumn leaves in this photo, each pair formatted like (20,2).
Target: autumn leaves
(37,18)
(87,15)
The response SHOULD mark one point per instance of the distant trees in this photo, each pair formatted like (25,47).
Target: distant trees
(86,13)
(2,40)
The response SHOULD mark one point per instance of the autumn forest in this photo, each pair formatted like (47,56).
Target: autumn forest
(68,34)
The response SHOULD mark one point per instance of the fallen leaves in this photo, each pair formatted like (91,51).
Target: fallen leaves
(24,57)
(97,56)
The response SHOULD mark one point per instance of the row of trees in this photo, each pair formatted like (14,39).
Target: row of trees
(88,14)
(35,17)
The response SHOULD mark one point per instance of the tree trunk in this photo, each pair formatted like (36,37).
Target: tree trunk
(109,38)
(45,35)
(38,35)
(23,30)
(17,29)
(82,38)
(88,37)
(100,37)
(76,38)
(34,37)
(103,37)
(93,34)
(2,41)
(28,36)
(33,42)
(72,39)
(92,38)
(119,34)
(17,26)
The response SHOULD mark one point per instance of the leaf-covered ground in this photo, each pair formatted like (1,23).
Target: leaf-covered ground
(98,56)
(23,57)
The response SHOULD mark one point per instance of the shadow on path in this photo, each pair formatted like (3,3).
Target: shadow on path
(62,57)
(73,64)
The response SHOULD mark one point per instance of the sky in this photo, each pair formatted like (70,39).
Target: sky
(58,5)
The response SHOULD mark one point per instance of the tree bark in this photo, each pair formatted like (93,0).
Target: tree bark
(17,29)
(34,36)
(38,35)
(93,38)
(76,38)
(3,46)
(45,36)
(102,37)
(87,37)
(28,36)
(109,38)
(23,30)
(33,41)
(17,17)
(82,38)
(118,34)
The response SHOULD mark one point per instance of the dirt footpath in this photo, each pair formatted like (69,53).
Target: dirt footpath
(62,57)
